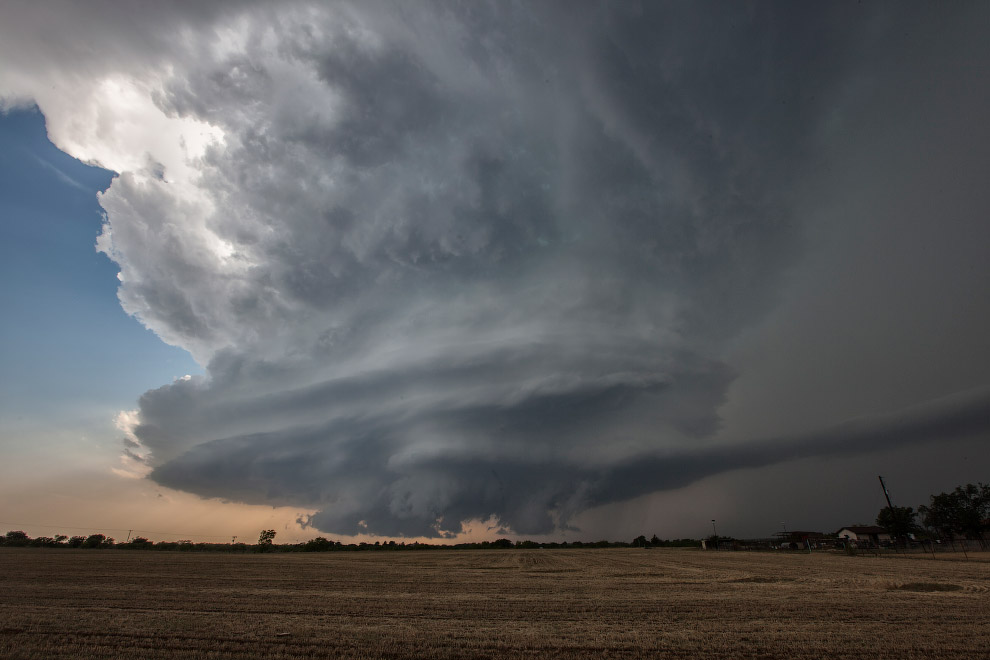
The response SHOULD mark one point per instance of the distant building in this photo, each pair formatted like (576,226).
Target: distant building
(800,539)
(865,534)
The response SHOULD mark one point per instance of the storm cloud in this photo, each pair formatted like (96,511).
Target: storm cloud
(489,261)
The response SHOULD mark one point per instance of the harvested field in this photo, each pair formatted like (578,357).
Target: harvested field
(617,603)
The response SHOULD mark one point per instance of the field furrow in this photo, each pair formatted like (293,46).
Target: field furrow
(615,603)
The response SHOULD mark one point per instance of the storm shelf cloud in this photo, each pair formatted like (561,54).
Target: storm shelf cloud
(498,261)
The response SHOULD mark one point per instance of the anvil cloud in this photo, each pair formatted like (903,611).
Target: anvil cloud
(490,261)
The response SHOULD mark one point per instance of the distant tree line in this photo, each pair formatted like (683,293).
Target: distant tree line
(962,514)
(266,543)
(20,539)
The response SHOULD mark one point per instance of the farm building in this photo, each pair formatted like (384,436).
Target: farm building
(865,534)
(801,539)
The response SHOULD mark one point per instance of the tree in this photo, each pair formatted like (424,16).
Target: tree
(139,542)
(266,540)
(640,542)
(94,541)
(16,538)
(963,512)
(898,521)
(319,544)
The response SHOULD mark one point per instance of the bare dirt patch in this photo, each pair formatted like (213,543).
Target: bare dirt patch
(927,586)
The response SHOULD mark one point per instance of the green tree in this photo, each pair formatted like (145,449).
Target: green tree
(140,542)
(16,538)
(319,544)
(266,540)
(640,542)
(899,521)
(94,541)
(963,512)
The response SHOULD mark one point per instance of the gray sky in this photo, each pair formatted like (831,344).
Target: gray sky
(561,268)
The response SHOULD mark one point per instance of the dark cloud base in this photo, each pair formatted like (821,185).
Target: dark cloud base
(413,454)
(526,495)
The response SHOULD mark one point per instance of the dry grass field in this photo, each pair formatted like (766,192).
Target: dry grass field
(625,603)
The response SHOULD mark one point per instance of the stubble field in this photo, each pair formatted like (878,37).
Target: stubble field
(617,603)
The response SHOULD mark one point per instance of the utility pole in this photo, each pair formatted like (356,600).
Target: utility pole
(890,507)
(886,494)
(715,534)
